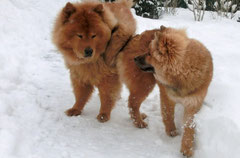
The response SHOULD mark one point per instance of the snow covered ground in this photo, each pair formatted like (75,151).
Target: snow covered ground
(35,91)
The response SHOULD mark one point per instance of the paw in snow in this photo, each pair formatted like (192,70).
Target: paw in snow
(138,119)
(103,117)
(170,129)
(187,151)
(73,112)
(172,133)
(140,124)
(143,115)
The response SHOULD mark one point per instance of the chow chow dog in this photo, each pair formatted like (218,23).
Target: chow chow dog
(182,68)
(89,35)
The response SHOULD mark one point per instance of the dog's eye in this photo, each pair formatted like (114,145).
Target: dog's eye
(80,36)
(93,36)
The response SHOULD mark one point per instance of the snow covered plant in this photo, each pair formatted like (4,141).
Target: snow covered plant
(197,7)
(148,9)
(169,6)
(226,8)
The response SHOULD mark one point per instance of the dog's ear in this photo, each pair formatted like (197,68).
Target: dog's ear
(107,16)
(162,28)
(159,43)
(99,8)
(155,42)
(157,36)
(68,10)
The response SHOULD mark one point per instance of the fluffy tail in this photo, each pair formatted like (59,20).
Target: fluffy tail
(127,3)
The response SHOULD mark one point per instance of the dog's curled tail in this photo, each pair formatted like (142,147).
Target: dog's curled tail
(127,3)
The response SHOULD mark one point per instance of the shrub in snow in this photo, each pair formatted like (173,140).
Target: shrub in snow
(107,0)
(181,4)
(197,7)
(238,19)
(169,6)
(148,9)
(226,8)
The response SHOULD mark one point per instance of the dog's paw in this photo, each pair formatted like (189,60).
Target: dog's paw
(103,117)
(140,124)
(187,151)
(73,112)
(143,115)
(172,133)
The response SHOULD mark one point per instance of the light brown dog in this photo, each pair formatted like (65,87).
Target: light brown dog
(183,70)
(85,33)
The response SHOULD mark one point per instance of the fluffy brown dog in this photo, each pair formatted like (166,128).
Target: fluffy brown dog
(183,70)
(83,32)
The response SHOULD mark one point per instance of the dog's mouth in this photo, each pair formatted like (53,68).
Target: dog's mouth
(141,63)
(147,69)
(82,60)
(82,57)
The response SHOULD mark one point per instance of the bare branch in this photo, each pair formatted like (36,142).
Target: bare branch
(198,8)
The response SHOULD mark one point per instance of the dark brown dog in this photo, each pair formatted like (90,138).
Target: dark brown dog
(84,33)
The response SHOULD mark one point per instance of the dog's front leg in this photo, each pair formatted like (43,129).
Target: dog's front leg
(189,129)
(109,91)
(167,110)
(82,92)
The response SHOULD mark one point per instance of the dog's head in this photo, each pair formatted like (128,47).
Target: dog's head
(81,33)
(166,46)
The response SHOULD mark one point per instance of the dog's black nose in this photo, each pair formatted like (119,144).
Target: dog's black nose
(88,52)
(140,60)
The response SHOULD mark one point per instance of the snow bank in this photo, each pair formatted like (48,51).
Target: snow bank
(35,90)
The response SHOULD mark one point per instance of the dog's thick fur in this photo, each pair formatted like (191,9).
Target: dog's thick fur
(183,71)
(139,83)
(101,29)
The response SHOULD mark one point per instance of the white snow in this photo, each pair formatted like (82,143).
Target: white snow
(35,91)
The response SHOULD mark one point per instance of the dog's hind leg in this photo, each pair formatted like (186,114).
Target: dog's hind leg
(109,91)
(139,90)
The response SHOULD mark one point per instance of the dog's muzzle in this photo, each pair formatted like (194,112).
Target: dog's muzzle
(88,52)
(141,63)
